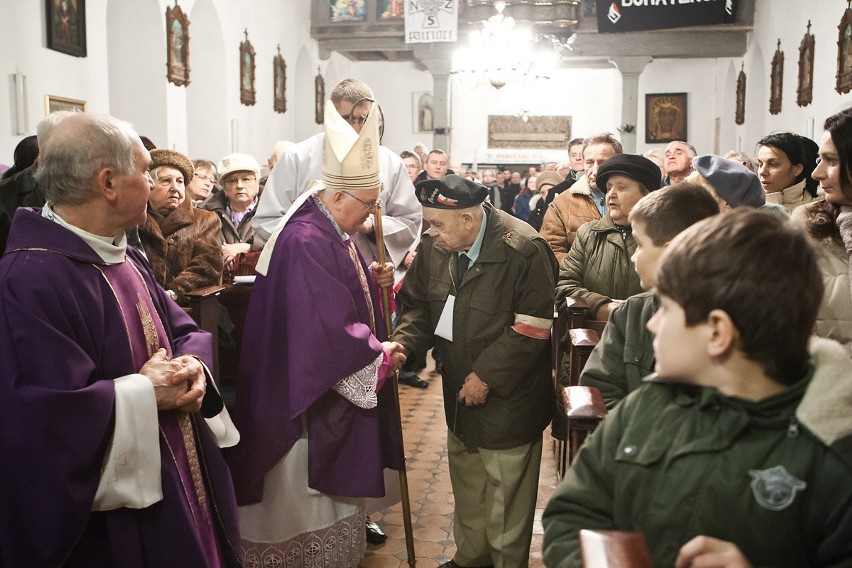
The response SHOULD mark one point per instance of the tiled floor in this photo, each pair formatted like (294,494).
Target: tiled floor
(431,496)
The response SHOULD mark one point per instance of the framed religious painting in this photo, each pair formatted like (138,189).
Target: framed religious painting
(177,46)
(348,10)
(739,115)
(319,97)
(844,53)
(66,26)
(247,91)
(805,90)
(776,81)
(279,83)
(665,117)
(389,9)
(53,103)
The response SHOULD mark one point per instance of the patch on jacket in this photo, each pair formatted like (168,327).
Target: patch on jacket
(775,488)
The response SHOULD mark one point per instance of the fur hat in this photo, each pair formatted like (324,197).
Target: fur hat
(548,178)
(734,182)
(173,159)
(450,192)
(638,168)
(350,160)
(238,163)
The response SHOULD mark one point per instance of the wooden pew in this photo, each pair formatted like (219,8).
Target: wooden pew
(204,309)
(614,549)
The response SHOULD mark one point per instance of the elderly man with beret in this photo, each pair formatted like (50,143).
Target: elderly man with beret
(481,290)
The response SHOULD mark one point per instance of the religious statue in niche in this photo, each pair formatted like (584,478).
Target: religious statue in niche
(247,90)
(844,53)
(319,97)
(805,91)
(177,46)
(776,81)
(739,116)
(279,83)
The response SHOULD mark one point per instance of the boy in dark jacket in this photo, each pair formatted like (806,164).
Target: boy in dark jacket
(624,354)
(739,451)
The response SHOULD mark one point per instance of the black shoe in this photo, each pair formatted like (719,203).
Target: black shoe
(411,379)
(452,564)
(375,535)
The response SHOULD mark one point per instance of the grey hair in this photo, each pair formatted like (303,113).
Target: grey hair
(47,127)
(350,90)
(75,153)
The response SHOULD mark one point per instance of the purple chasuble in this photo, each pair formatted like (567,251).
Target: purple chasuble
(146,334)
(309,327)
(64,339)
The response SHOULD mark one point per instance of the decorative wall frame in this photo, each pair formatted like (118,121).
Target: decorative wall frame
(53,103)
(805,90)
(247,72)
(177,46)
(390,9)
(279,83)
(529,132)
(66,26)
(665,117)
(423,112)
(739,116)
(319,97)
(348,10)
(776,80)
(844,53)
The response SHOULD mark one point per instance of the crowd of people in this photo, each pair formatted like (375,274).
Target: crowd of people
(722,284)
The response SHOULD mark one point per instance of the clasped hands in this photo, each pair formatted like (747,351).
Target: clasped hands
(179,383)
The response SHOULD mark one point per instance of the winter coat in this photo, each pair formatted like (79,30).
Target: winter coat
(598,266)
(565,214)
(791,197)
(674,461)
(245,233)
(184,248)
(510,283)
(625,353)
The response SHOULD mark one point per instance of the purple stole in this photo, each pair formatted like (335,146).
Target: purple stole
(146,334)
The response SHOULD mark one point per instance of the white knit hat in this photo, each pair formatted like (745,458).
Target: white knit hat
(238,163)
(350,160)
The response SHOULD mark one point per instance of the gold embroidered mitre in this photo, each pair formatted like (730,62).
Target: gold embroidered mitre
(350,160)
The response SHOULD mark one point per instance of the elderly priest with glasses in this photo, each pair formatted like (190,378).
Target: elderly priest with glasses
(319,429)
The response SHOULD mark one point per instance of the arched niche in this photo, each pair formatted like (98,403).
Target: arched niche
(210,83)
(136,65)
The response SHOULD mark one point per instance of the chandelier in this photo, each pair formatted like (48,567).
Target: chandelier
(501,52)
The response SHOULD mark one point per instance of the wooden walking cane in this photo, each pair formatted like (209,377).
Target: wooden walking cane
(403,476)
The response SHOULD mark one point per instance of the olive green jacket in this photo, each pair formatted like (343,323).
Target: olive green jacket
(625,353)
(598,266)
(511,280)
(673,462)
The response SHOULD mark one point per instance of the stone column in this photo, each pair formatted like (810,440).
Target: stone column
(631,68)
(437,57)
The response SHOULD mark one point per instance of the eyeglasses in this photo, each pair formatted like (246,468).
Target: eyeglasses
(358,119)
(370,205)
(246,179)
(205,177)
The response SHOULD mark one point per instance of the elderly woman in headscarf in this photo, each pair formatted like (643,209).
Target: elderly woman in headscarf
(182,242)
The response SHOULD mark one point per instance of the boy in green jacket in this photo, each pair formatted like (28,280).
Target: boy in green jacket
(624,354)
(739,451)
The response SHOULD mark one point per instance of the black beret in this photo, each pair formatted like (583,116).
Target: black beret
(451,192)
(635,167)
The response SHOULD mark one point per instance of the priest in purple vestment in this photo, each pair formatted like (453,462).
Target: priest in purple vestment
(110,424)
(317,428)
